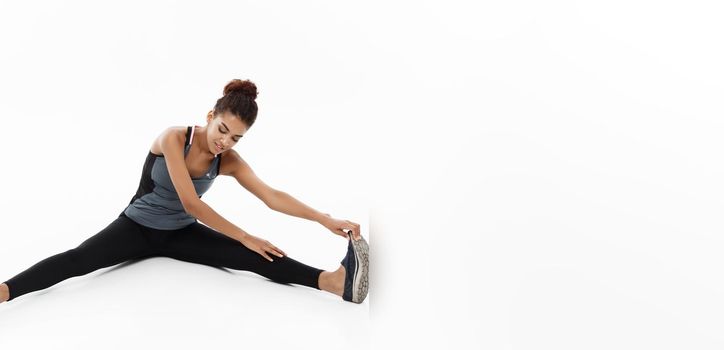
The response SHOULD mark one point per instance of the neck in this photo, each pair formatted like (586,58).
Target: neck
(200,144)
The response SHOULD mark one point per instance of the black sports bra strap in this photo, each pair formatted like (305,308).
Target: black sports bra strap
(188,136)
(218,164)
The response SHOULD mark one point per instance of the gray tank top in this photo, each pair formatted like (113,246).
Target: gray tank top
(156,203)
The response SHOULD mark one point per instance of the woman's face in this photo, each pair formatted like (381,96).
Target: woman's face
(225,130)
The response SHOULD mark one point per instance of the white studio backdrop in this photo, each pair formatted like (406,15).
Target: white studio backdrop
(530,175)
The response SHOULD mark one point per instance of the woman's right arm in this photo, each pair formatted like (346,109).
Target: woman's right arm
(172,144)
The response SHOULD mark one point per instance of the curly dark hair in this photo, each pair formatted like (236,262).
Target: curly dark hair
(239,99)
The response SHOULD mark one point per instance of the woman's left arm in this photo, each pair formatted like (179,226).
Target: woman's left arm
(284,203)
(281,201)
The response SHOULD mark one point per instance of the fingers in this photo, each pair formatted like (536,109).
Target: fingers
(355,228)
(262,247)
(263,253)
(340,232)
(271,249)
(276,251)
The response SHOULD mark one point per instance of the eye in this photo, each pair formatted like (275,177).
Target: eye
(224,132)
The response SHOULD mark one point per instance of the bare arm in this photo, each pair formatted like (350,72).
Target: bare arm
(284,203)
(203,212)
(172,148)
(274,199)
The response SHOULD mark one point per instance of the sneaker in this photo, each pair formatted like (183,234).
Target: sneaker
(356,264)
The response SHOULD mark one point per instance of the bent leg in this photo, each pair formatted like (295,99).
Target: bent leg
(121,240)
(201,244)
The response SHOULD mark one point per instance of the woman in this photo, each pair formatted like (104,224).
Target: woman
(161,218)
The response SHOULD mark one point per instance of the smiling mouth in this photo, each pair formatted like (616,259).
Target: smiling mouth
(218,147)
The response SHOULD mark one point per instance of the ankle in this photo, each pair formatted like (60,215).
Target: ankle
(4,293)
(337,280)
(330,281)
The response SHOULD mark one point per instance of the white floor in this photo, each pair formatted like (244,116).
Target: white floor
(174,304)
(538,174)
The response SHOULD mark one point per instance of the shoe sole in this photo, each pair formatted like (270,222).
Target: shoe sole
(361,273)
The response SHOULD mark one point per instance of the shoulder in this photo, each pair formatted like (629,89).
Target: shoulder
(176,130)
(177,133)
(231,162)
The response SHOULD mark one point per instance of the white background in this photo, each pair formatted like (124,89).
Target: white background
(529,174)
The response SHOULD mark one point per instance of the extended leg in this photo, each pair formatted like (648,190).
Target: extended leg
(201,244)
(121,240)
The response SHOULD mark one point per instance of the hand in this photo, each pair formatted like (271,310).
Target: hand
(338,226)
(261,246)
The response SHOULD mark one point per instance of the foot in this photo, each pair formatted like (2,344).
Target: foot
(356,263)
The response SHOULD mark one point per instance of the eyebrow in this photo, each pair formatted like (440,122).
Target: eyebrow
(227,129)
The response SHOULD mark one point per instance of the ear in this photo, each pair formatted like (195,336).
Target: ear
(210,116)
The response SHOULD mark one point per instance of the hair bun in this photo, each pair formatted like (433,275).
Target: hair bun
(246,87)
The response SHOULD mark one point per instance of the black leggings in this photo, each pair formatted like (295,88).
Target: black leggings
(124,239)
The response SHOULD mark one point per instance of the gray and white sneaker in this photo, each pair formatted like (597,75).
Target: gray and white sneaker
(356,264)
